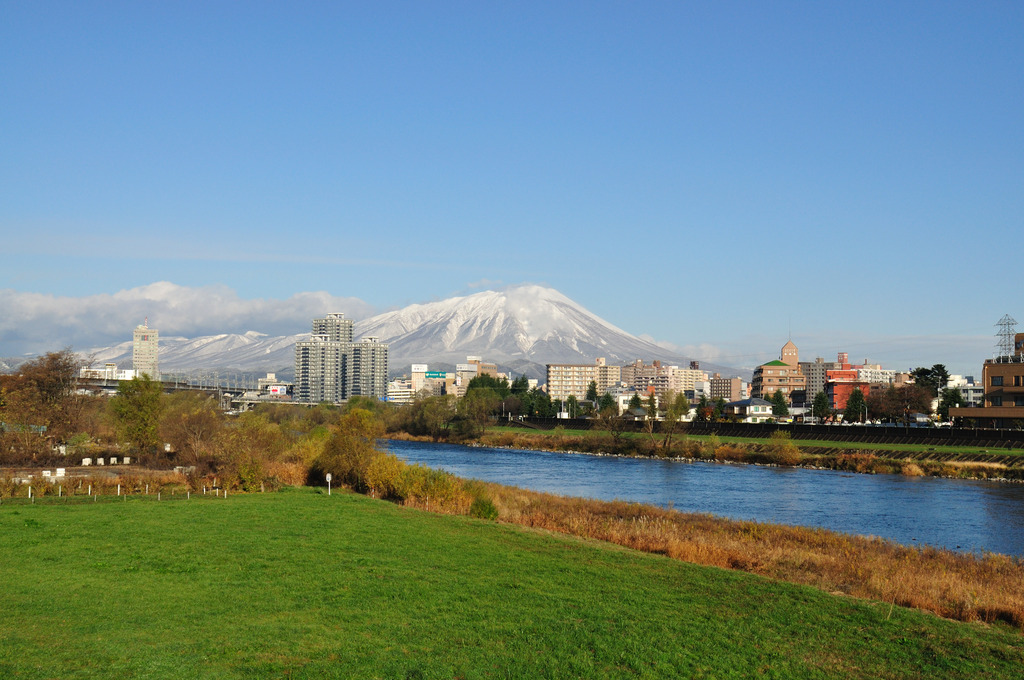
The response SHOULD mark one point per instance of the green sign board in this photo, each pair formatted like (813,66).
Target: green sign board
(435,374)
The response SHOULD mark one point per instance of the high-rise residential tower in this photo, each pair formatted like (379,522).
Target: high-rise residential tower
(331,367)
(145,350)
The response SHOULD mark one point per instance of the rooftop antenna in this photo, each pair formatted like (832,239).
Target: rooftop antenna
(1007,327)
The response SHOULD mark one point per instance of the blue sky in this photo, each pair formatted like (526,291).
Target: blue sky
(716,175)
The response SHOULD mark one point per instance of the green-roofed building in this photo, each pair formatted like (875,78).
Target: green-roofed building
(781,375)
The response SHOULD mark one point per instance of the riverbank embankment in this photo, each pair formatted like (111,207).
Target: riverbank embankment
(777,449)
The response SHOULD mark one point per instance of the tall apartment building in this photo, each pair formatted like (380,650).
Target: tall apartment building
(331,367)
(816,371)
(730,389)
(145,351)
(783,375)
(574,379)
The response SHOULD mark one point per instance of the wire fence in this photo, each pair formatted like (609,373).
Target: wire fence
(77,497)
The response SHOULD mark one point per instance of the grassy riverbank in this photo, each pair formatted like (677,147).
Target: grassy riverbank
(306,585)
(907,459)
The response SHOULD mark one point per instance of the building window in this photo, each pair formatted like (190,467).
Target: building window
(997,401)
(1016,381)
(997,381)
(1018,400)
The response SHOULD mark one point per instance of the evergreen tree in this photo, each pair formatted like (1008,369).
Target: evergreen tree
(950,398)
(592,392)
(572,405)
(718,411)
(779,405)
(856,407)
(821,408)
(520,385)
(498,386)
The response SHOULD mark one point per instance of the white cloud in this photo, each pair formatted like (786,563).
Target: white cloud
(35,322)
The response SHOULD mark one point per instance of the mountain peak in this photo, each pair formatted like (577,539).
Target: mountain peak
(521,328)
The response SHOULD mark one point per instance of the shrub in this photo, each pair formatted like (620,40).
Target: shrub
(782,450)
(8,487)
(251,474)
(729,452)
(384,476)
(483,508)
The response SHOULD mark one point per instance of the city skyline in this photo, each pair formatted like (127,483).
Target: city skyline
(719,177)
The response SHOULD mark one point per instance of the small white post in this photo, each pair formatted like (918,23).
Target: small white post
(118,489)
(158,495)
(328,477)
(188,495)
(30,492)
(147,490)
(60,490)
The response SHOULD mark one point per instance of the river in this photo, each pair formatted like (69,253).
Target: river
(964,515)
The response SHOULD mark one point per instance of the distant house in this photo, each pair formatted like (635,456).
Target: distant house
(753,410)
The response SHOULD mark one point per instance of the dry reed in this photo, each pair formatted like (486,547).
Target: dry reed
(953,585)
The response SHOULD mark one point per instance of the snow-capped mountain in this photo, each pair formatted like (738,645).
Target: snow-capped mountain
(250,351)
(520,328)
(524,323)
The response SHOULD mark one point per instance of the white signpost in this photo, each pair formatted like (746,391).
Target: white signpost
(328,483)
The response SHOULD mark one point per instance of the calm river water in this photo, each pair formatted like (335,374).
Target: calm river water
(970,516)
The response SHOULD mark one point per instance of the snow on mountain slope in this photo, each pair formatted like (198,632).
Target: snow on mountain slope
(250,351)
(522,322)
(523,327)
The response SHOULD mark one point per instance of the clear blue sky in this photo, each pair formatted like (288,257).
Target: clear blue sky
(718,175)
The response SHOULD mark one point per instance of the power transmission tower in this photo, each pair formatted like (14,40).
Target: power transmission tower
(1007,327)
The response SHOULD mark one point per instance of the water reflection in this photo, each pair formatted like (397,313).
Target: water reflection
(972,516)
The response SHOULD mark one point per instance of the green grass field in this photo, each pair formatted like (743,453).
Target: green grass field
(298,584)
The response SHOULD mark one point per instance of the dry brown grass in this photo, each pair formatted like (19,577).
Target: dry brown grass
(950,584)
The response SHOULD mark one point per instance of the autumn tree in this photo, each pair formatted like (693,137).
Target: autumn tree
(610,421)
(677,406)
(895,404)
(136,410)
(705,412)
(351,449)
(434,415)
(43,397)
(475,409)
(190,423)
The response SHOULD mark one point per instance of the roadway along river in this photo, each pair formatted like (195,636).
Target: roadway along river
(970,516)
